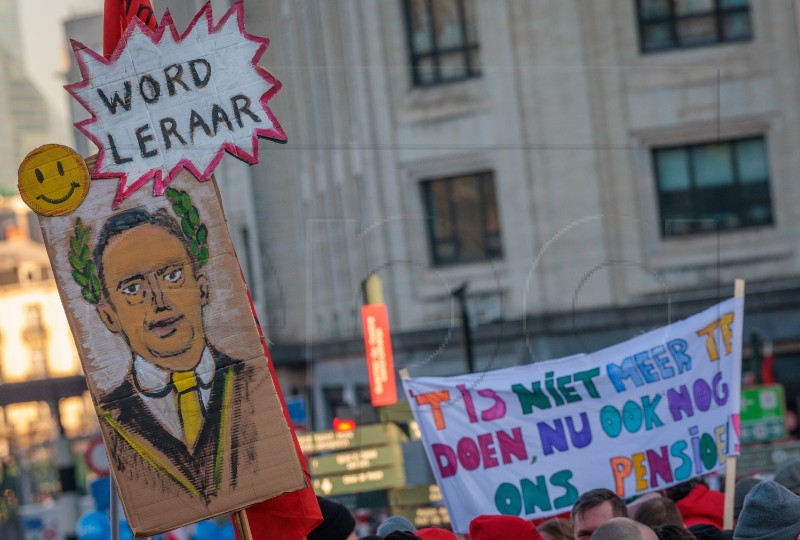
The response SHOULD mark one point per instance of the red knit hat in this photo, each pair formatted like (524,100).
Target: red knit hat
(503,528)
(435,533)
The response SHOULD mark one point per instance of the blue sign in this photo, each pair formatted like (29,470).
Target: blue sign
(297,409)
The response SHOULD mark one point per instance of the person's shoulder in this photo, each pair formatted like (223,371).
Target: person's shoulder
(222,360)
(122,404)
(117,395)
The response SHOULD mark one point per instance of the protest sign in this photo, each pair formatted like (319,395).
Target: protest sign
(172,354)
(640,416)
(164,101)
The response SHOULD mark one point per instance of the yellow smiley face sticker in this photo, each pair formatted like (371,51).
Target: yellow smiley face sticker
(53,180)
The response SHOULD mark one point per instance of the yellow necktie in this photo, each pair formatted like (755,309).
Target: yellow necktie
(188,398)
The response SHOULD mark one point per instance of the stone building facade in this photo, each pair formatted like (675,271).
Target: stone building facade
(589,170)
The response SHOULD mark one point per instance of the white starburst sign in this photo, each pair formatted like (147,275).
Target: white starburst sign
(166,101)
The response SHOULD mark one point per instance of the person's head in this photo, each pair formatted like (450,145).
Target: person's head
(657,512)
(670,531)
(594,508)
(556,529)
(394,535)
(491,527)
(770,512)
(337,522)
(705,531)
(741,490)
(152,292)
(395,523)
(622,528)
(788,475)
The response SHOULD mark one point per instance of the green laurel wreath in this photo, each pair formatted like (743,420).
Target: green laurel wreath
(195,231)
(80,259)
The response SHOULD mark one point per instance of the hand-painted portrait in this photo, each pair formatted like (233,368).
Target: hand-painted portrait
(172,354)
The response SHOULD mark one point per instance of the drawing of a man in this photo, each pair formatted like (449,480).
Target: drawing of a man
(177,408)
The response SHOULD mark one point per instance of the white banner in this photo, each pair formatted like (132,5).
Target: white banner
(640,416)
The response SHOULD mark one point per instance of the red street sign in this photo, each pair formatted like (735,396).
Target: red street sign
(378,345)
(96,457)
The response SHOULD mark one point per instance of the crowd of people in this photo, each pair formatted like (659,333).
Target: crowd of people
(763,510)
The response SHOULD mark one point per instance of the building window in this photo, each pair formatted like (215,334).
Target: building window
(443,40)
(716,186)
(33,316)
(676,24)
(38,363)
(463,219)
(9,276)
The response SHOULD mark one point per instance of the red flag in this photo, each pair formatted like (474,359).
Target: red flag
(290,516)
(117,15)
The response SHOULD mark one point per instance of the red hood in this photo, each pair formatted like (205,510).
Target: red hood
(503,528)
(702,505)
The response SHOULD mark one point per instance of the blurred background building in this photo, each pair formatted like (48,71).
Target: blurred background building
(25,117)
(589,170)
(43,394)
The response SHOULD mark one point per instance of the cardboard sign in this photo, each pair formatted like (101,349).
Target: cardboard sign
(380,363)
(172,355)
(165,102)
(637,417)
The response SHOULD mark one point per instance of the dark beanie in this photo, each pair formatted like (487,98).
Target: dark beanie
(704,531)
(400,535)
(337,522)
(770,512)
(741,490)
(788,475)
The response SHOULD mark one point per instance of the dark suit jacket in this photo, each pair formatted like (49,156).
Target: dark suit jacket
(142,449)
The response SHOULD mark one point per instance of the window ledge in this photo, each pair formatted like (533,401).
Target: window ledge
(733,246)
(442,101)
(647,53)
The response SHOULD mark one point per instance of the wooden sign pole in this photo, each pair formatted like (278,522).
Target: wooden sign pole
(730,467)
(114,508)
(242,525)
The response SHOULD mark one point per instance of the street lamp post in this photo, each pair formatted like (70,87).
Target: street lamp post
(460,294)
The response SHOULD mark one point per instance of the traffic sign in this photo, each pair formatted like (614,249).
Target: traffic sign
(361,437)
(762,414)
(96,457)
(415,496)
(344,462)
(425,516)
(360,481)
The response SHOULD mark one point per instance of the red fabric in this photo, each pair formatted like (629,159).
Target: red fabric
(767,365)
(702,506)
(435,533)
(290,516)
(503,528)
(116,16)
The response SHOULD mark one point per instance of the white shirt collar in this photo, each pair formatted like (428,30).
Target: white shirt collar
(151,378)
(157,395)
